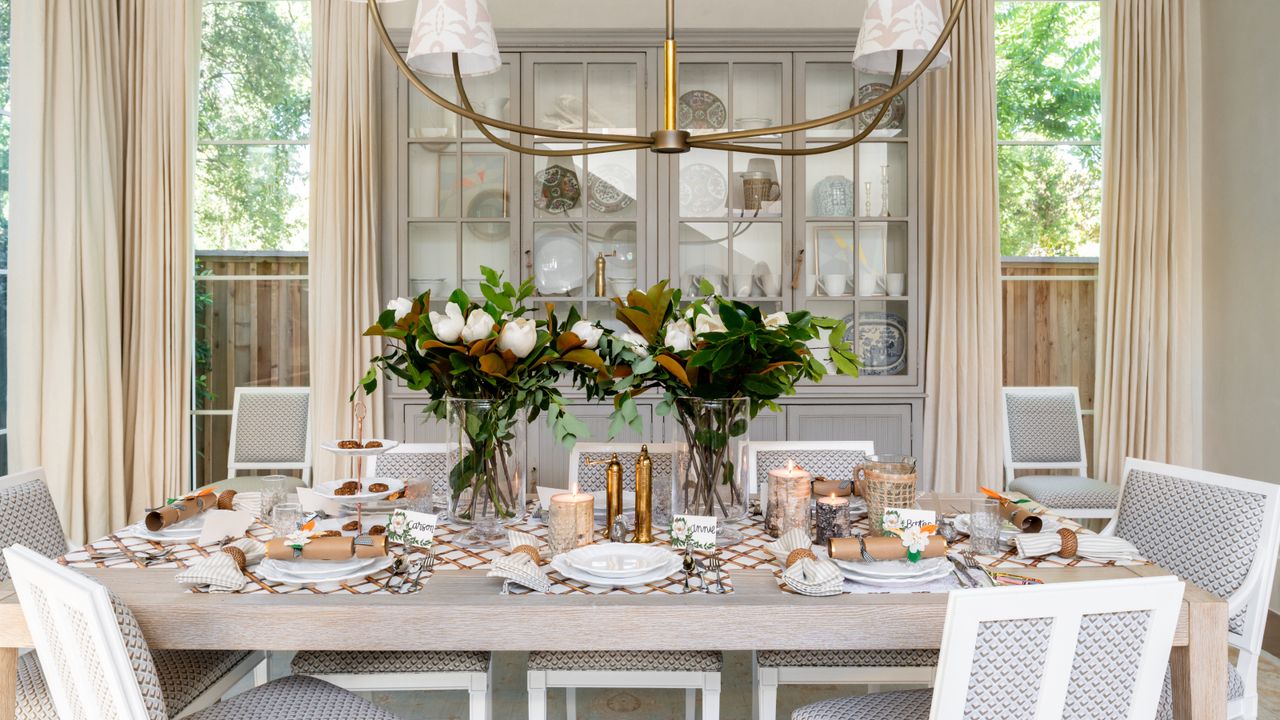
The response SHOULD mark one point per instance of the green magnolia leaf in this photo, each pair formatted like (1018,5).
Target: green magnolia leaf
(502,302)
(491,276)
(705,287)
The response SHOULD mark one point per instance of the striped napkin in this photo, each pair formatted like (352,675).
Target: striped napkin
(219,572)
(521,566)
(807,573)
(1101,548)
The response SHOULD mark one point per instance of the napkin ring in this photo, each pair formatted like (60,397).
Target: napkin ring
(225,499)
(1070,543)
(799,554)
(236,554)
(529,550)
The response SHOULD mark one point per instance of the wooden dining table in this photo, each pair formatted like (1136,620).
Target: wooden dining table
(464,610)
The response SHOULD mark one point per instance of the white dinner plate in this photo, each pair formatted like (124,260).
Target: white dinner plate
(893,569)
(332,446)
(393,486)
(557,262)
(559,564)
(277,571)
(321,568)
(186,531)
(941,572)
(619,560)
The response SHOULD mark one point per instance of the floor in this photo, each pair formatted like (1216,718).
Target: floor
(510,700)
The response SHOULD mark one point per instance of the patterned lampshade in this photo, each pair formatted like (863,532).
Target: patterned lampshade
(888,26)
(444,27)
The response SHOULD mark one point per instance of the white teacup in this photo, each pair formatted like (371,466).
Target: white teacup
(770,284)
(743,283)
(835,283)
(621,287)
(896,284)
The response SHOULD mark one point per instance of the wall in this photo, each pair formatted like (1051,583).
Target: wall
(641,14)
(1241,239)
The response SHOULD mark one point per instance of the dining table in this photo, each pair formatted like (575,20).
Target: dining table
(460,607)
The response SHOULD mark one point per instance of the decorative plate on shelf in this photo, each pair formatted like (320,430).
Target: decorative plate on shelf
(608,188)
(556,189)
(897,107)
(703,191)
(557,262)
(881,341)
(700,110)
(491,203)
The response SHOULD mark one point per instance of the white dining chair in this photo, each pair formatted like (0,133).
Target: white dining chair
(1043,430)
(1221,533)
(414,461)
(96,663)
(190,679)
(591,477)
(1042,652)
(270,430)
(835,460)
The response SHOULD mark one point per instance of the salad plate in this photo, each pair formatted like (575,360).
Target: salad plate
(329,489)
(557,262)
(385,445)
(619,560)
(560,565)
(893,569)
(280,571)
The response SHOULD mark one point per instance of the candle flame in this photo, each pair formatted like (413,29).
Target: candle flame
(573,489)
(791,465)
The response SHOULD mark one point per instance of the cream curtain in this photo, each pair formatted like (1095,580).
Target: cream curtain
(66,401)
(344,293)
(1148,286)
(962,445)
(159,61)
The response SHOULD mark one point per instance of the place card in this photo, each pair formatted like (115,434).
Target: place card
(694,532)
(898,520)
(222,524)
(412,529)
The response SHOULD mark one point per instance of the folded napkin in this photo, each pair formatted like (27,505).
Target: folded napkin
(523,565)
(803,571)
(186,508)
(1068,544)
(223,571)
(327,548)
(882,548)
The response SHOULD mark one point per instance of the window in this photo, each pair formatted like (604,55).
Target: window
(1049,143)
(4,236)
(252,172)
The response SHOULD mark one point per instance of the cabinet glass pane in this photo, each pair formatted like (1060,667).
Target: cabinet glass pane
(427,119)
(484,182)
(884,165)
(704,254)
(611,98)
(757,95)
(704,96)
(557,184)
(487,244)
(757,260)
(433,259)
(704,186)
(490,95)
(882,337)
(434,186)
(894,122)
(621,269)
(559,260)
(828,90)
(882,259)
(557,96)
(829,267)
(611,185)
(756,188)
(829,188)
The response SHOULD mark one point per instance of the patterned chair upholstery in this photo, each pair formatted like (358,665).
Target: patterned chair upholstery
(846,658)
(628,660)
(831,463)
(270,430)
(27,516)
(415,462)
(591,478)
(361,662)
(1043,430)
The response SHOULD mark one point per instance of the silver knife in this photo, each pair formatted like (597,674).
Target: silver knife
(966,579)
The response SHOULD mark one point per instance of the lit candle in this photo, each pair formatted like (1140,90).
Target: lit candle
(571,521)
(789,489)
(833,514)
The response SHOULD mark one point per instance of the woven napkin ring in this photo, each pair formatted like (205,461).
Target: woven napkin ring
(799,554)
(1070,543)
(236,554)
(225,499)
(529,550)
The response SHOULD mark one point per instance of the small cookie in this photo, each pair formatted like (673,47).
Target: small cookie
(349,444)
(353,526)
(379,487)
(378,530)
(351,485)
(373,444)
(344,490)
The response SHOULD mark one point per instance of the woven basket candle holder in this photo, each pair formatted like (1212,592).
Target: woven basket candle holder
(887,483)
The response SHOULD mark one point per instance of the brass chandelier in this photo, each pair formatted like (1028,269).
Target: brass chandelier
(455,37)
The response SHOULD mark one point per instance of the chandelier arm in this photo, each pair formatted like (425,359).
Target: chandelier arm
(417,82)
(896,90)
(817,150)
(520,147)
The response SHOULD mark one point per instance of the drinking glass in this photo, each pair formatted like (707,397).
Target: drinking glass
(984,527)
(285,517)
(273,493)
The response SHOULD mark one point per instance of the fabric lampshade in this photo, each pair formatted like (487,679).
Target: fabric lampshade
(444,27)
(888,26)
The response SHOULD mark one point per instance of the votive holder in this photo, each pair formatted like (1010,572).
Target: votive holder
(832,518)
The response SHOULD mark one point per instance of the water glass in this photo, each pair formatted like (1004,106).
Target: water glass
(272,494)
(984,527)
(285,518)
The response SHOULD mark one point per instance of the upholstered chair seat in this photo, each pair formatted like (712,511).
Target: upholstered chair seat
(1067,491)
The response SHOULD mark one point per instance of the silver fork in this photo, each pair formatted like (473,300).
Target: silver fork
(971,562)
(426,566)
(715,563)
(146,556)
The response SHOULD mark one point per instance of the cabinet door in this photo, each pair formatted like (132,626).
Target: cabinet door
(888,426)
(549,460)
(416,426)
(769,425)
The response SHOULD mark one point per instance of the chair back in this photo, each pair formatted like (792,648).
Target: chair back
(414,461)
(834,459)
(27,516)
(591,478)
(1043,430)
(271,430)
(1067,651)
(95,660)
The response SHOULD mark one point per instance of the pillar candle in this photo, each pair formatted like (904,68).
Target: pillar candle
(833,518)
(571,521)
(788,500)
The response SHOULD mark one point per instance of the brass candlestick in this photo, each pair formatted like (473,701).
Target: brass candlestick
(613,489)
(644,496)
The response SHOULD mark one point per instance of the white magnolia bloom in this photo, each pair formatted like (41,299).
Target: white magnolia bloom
(708,324)
(776,320)
(636,342)
(479,325)
(447,327)
(402,306)
(588,331)
(519,336)
(679,336)
(915,539)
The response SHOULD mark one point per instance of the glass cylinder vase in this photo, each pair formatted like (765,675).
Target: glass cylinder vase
(486,460)
(709,481)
